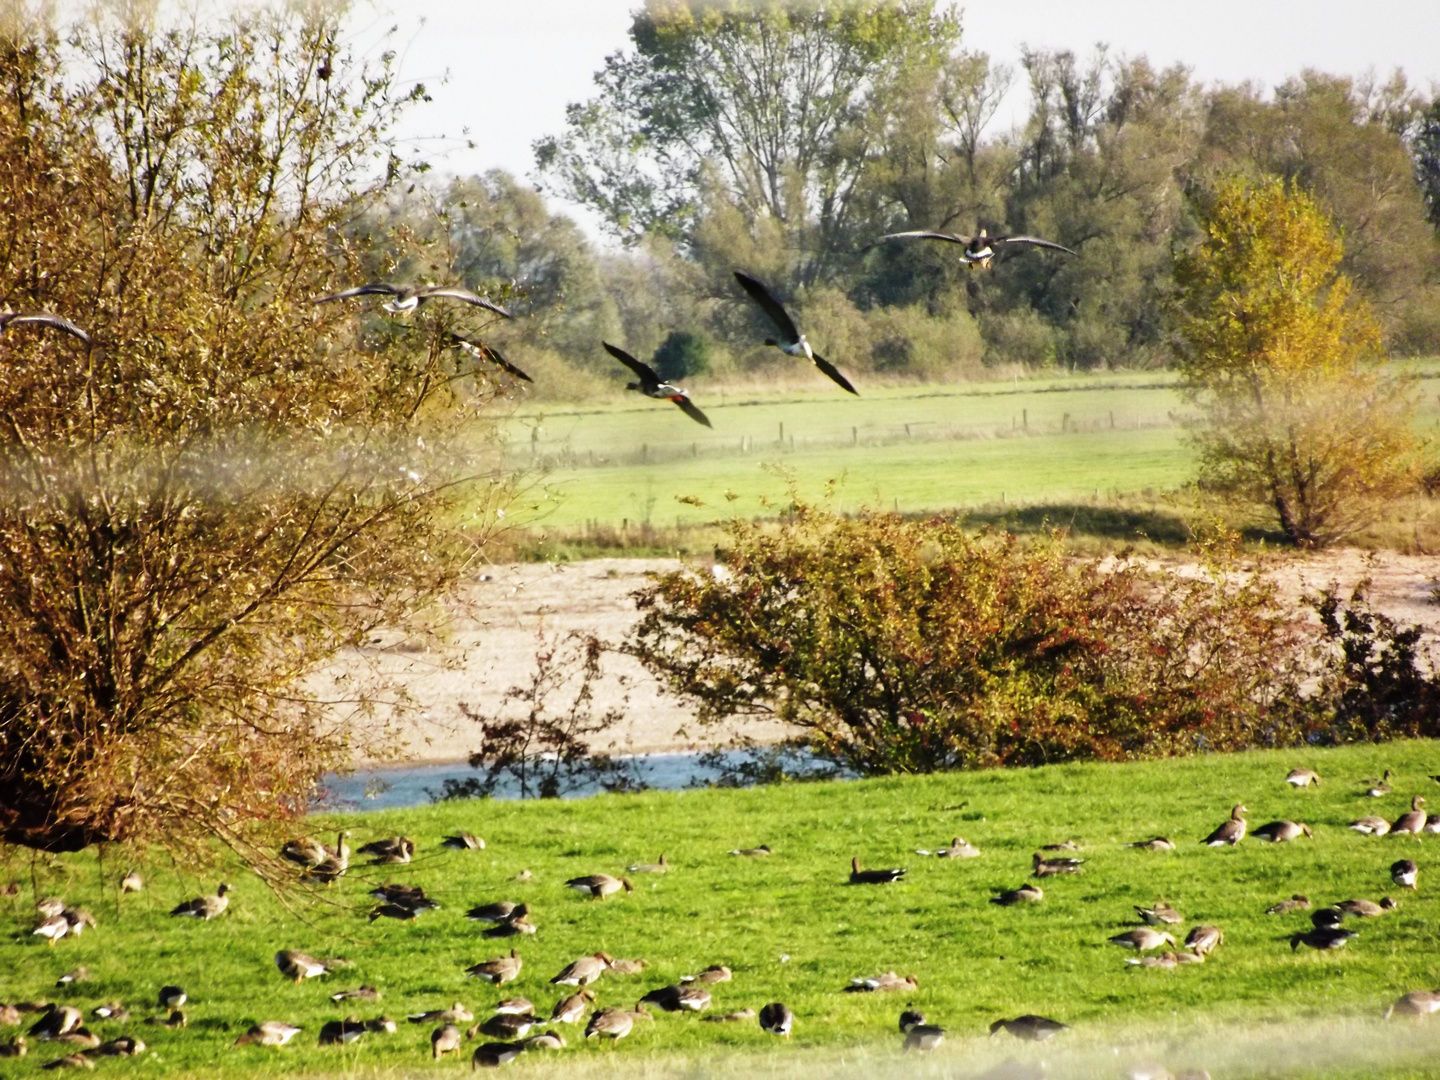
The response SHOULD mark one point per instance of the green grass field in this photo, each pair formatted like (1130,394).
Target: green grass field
(793,930)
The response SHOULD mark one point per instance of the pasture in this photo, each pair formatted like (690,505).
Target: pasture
(793,930)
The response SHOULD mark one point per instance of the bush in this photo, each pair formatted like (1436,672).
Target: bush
(681,355)
(906,646)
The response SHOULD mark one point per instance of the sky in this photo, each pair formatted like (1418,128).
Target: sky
(502,71)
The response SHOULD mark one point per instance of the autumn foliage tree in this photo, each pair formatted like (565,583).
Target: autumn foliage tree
(232,483)
(1298,416)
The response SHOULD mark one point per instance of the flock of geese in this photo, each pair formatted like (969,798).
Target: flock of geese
(976,251)
(515,1026)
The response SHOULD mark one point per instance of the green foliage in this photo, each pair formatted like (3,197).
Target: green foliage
(914,645)
(1284,361)
(681,355)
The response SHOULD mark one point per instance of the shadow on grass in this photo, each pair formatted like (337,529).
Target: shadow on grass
(1121,523)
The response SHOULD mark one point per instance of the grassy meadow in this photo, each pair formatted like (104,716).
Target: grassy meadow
(793,930)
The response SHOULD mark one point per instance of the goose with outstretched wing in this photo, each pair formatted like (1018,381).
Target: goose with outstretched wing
(406,298)
(980,249)
(481,351)
(651,385)
(790,340)
(42,318)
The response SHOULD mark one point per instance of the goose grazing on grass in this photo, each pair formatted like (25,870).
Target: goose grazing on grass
(1370,825)
(406,298)
(1415,1003)
(509,1026)
(1203,940)
(923,1037)
(204,907)
(1323,938)
(42,318)
(1232,832)
(132,882)
(1025,894)
(52,929)
(1284,907)
(58,1020)
(789,341)
(481,351)
(1376,789)
(886,983)
(1367,909)
(568,1010)
(1302,778)
(269,1033)
(1042,867)
(1278,832)
(980,249)
(1030,1027)
(172,997)
(494,913)
(660,866)
(1160,914)
(777,1019)
(518,923)
(1143,939)
(599,886)
(1405,873)
(300,966)
(463,842)
(627,967)
(455,1012)
(1157,843)
(652,386)
(445,1039)
(872,877)
(1412,822)
(493,1055)
(340,1032)
(614,1024)
(498,971)
(583,972)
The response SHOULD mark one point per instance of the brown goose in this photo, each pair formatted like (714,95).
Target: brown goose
(1030,1027)
(715,973)
(614,1024)
(676,998)
(730,1017)
(445,1039)
(1160,914)
(777,1019)
(888,982)
(1232,832)
(123,1046)
(304,851)
(1158,843)
(1411,823)
(1143,939)
(393,850)
(204,907)
(362,993)
(58,1020)
(1278,832)
(1302,778)
(495,913)
(1415,1003)
(509,1026)
(1284,907)
(584,971)
(340,1032)
(872,877)
(82,1037)
(456,1012)
(621,966)
(300,966)
(518,923)
(1025,894)
(546,1040)
(599,886)
(516,1006)
(332,867)
(132,882)
(959,848)
(269,1033)
(70,1061)
(753,852)
(1370,825)
(1367,909)
(498,971)
(1377,789)
(1203,940)
(1042,867)
(660,866)
(569,1010)
(463,842)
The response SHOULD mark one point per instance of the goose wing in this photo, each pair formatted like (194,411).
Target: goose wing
(772,307)
(690,409)
(648,376)
(834,373)
(481,351)
(1033,241)
(374,288)
(463,295)
(923,234)
(44,318)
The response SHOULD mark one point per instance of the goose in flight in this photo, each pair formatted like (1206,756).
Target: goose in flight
(651,385)
(405,298)
(980,249)
(791,341)
(481,351)
(42,318)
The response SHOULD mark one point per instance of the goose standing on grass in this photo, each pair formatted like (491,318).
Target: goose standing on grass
(980,250)
(1143,939)
(1203,940)
(1302,778)
(444,1040)
(333,864)
(269,1033)
(873,877)
(599,886)
(300,966)
(132,882)
(614,1024)
(652,386)
(777,1019)
(568,1010)
(922,1036)
(1323,938)
(1232,832)
(204,907)
(498,971)
(172,997)
(1415,1003)
(1278,832)
(789,341)
(1030,1027)
(42,318)
(481,351)
(494,913)
(1405,873)
(1367,909)
(1159,914)
(52,929)
(407,298)
(583,972)
(1412,822)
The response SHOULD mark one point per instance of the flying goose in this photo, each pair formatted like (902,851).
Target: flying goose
(1405,873)
(660,866)
(872,877)
(1232,832)
(790,341)
(1367,909)
(463,842)
(1284,907)
(599,886)
(132,882)
(1413,821)
(1158,843)
(1025,894)
(568,1010)
(1143,939)
(1376,789)
(1322,938)
(481,351)
(777,1019)
(204,907)
(172,997)
(887,982)
(495,1054)
(42,318)
(980,249)
(445,1039)
(406,298)
(652,386)
(498,971)
(1302,778)
(1415,1003)
(1203,940)
(582,972)
(269,1033)
(1278,832)
(1370,825)
(300,966)
(1042,867)
(1030,1027)
(1160,913)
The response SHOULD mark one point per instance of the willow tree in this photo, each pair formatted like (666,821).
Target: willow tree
(230,483)
(1285,362)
